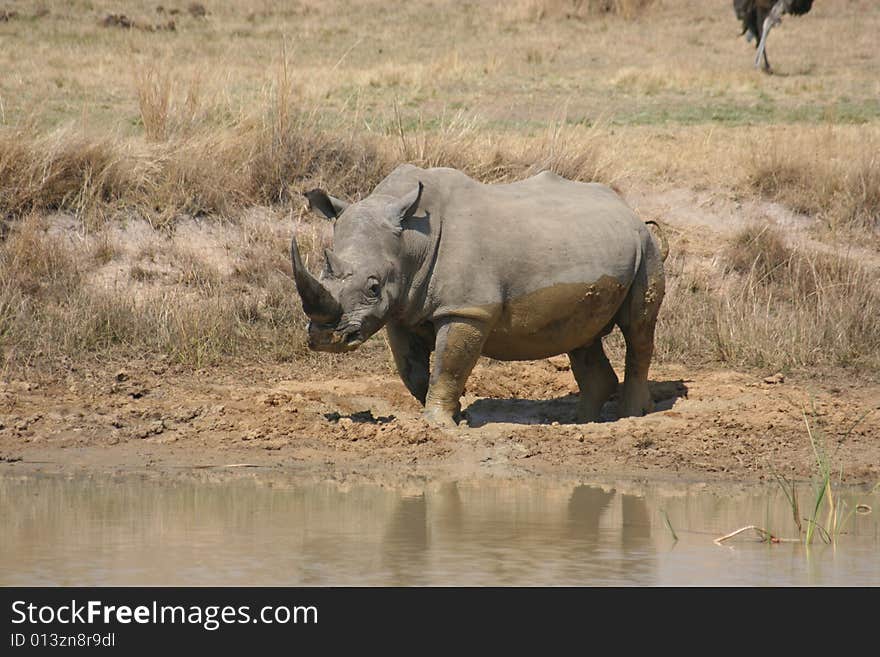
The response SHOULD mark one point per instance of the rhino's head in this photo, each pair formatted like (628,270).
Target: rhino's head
(361,279)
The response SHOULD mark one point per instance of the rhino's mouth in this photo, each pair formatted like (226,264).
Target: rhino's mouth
(327,338)
(352,339)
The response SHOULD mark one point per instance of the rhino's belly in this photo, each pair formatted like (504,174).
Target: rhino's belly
(554,320)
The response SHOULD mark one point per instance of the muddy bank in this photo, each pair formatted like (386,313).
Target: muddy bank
(356,417)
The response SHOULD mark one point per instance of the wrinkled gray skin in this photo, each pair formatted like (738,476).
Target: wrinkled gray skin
(518,271)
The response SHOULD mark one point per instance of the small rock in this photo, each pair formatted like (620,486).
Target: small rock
(779,377)
(153,429)
(254,434)
(186,415)
(276,399)
(121,376)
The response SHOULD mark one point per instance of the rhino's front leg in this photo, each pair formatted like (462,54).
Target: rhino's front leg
(458,346)
(412,356)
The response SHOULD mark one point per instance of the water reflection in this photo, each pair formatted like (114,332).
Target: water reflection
(276,530)
(405,543)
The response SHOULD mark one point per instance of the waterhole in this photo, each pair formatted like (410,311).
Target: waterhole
(265,529)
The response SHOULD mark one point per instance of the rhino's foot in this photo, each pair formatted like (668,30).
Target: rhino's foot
(596,380)
(439,417)
(594,397)
(636,401)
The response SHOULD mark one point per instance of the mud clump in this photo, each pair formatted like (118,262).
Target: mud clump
(360,417)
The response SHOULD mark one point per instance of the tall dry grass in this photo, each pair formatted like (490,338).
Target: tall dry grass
(835,177)
(52,311)
(265,158)
(203,174)
(268,156)
(772,306)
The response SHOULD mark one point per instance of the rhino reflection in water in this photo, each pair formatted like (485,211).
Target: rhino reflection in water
(517,271)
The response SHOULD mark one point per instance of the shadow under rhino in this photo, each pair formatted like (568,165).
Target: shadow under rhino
(563,410)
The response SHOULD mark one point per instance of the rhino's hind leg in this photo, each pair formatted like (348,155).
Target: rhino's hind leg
(636,320)
(595,378)
(412,356)
(636,398)
(456,351)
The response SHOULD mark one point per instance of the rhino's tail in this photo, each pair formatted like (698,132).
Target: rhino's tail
(664,244)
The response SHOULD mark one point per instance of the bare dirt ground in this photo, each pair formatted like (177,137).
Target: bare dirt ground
(709,423)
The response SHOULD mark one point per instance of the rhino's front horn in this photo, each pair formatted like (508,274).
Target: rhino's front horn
(317,301)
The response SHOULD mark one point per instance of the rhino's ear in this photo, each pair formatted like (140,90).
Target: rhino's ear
(406,207)
(327,205)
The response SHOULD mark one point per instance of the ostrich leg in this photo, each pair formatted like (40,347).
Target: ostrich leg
(772,20)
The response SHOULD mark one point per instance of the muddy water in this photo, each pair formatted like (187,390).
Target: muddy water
(265,529)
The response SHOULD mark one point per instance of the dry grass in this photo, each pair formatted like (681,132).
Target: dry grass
(759,251)
(537,10)
(267,157)
(263,161)
(835,177)
(772,306)
(205,174)
(53,310)
(246,106)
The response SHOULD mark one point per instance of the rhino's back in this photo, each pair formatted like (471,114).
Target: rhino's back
(533,234)
(546,261)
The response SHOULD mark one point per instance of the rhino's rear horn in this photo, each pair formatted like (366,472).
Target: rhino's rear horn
(317,301)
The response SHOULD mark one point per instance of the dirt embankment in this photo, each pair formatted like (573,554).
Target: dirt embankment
(709,424)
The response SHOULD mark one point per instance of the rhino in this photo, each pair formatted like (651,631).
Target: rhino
(518,271)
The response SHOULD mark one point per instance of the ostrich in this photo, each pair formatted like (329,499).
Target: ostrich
(760,16)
